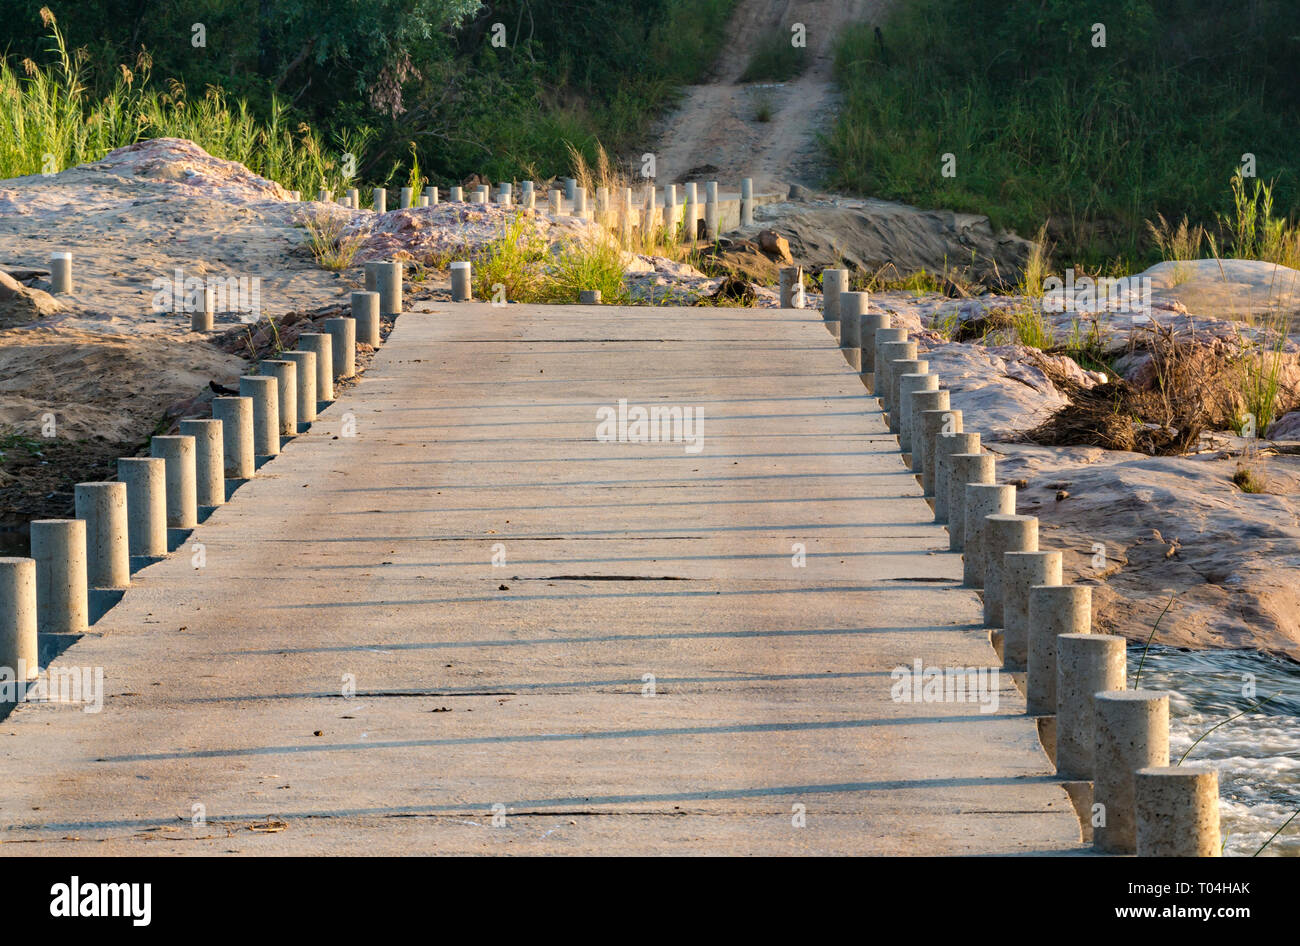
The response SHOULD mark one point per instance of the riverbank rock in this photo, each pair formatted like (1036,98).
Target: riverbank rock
(20,304)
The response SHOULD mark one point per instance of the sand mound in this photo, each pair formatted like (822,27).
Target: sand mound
(19,304)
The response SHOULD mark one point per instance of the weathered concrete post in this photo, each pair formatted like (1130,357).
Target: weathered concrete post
(982,500)
(931,427)
(146,505)
(182,494)
(325,196)
(204,316)
(62,597)
(747,202)
(868,325)
(1054,610)
(527,195)
(431,192)
(461,281)
(602,205)
(1003,533)
(791,283)
(580,202)
(967,469)
(1177,812)
(916,380)
(834,282)
(1020,572)
(589,297)
(365,311)
(557,202)
(850,310)
(60,273)
(1086,664)
(691,216)
(886,388)
(354,198)
(379,197)
(670,210)
(209,460)
(886,335)
(103,508)
(388,283)
(305,362)
(286,390)
(406,197)
(343,345)
(236,416)
(1132,734)
(903,364)
(322,346)
(18,617)
(711,211)
(266,412)
(456,195)
(951,440)
(570,189)
(914,410)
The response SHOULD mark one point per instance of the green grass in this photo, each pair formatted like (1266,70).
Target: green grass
(519,264)
(1045,127)
(775,59)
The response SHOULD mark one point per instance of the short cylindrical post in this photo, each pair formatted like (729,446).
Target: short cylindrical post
(557,202)
(1003,533)
(1132,734)
(305,362)
(1053,610)
(286,389)
(1177,812)
(527,196)
(747,202)
(146,505)
(322,346)
(580,202)
(589,297)
(60,273)
(388,283)
(925,435)
(670,209)
(204,316)
(691,211)
(236,416)
(266,412)
(850,309)
(18,640)
(379,197)
(354,198)
(456,194)
(834,282)
(431,192)
(913,414)
(982,500)
(103,507)
(62,598)
(406,198)
(1086,664)
(209,460)
(868,325)
(570,189)
(182,494)
(1020,572)
(886,379)
(967,469)
(711,220)
(343,344)
(899,360)
(915,380)
(461,280)
(879,366)
(365,310)
(791,278)
(325,196)
(950,440)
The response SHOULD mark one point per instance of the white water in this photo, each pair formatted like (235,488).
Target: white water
(1257,756)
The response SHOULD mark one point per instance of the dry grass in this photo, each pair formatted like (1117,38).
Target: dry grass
(332,249)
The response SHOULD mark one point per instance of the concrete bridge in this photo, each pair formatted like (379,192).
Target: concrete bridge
(482,625)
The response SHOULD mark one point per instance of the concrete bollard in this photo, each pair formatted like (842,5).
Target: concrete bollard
(1132,734)
(182,493)
(372,275)
(711,220)
(379,197)
(431,192)
(691,214)
(580,202)
(880,367)
(589,297)
(286,392)
(483,194)
(60,273)
(354,198)
(914,411)
(1054,610)
(388,283)
(424,201)
(456,195)
(670,209)
(1020,572)
(204,316)
(305,363)
(18,640)
(570,189)
(343,345)
(967,469)
(322,346)
(527,196)
(146,505)
(868,326)
(209,460)
(791,278)
(982,500)
(103,508)
(904,362)
(62,596)
(950,440)
(266,413)
(236,416)
(1003,533)
(914,382)
(365,312)
(1177,812)
(602,205)
(1086,664)
(927,429)
(557,202)
(886,387)
(461,281)
(850,307)
(325,196)
(747,202)
(406,198)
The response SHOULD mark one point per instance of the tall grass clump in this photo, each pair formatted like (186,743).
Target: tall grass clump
(775,59)
(332,247)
